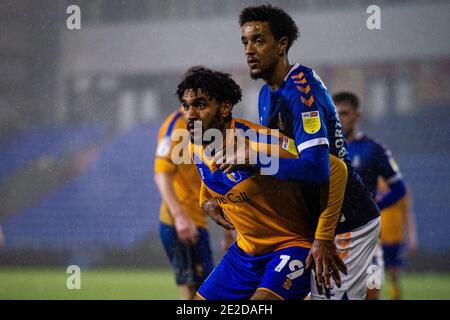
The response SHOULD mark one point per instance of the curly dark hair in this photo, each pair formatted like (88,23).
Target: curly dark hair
(346,97)
(218,85)
(281,24)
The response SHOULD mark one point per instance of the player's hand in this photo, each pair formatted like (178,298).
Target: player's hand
(239,160)
(327,263)
(186,229)
(215,212)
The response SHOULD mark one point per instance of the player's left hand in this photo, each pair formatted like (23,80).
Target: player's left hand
(327,263)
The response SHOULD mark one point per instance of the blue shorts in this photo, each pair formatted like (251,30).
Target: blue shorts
(239,274)
(192,264)
(393,255)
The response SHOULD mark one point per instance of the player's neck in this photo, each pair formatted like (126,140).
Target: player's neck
(351,135)
(275,80)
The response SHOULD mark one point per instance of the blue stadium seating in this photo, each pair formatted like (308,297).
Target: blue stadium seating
(113,203)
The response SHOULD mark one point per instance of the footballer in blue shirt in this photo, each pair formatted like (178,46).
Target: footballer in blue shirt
(295,101)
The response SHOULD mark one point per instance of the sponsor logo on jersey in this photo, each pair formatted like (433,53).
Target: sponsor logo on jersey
(233,198)
(311,121)
(289,145)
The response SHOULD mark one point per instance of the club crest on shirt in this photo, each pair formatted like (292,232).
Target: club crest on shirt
(311,121)
(234,176)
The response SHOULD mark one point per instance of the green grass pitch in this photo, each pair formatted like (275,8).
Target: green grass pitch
(155,285)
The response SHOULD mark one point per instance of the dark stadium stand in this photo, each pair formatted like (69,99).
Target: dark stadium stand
(31,145)
(112,203)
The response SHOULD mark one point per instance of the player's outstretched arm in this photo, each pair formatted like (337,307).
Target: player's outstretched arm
(323,253)
(215,212)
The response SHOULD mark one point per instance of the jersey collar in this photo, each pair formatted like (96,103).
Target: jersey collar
(294,67)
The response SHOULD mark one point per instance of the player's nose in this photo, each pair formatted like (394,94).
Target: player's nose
(192,114)
(249,49)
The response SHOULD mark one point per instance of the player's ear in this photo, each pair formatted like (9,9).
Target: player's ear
(227,107)
(283,44)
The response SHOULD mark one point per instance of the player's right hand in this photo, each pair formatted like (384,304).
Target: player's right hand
(186,229)
(215,212)
(327,263)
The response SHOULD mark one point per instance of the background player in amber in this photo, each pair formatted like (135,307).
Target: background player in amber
(374,162)
(398,233)
(183,226)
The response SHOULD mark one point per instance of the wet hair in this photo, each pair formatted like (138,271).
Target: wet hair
(346,97)
(280,23)
(215,84)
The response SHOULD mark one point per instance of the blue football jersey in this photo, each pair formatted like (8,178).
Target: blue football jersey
(372,160)
(302,109)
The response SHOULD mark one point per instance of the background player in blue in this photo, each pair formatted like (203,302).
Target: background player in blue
(373,161)
(295,101)
(369,157)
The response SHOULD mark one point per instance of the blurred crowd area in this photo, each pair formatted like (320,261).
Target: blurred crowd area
(80,111)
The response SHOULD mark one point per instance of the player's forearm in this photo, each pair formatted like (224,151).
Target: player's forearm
(329,218)
(313,166)
(164,183)
(397,191)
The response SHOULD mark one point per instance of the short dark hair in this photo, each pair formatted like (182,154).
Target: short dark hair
(346,97)
(280,23)
(218,85)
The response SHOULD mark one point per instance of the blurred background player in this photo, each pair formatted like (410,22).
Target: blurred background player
(375,162)
(295,101)
(183,225)
(398,236)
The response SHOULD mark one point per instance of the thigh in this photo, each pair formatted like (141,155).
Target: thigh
(393,255)
(285,275)
(234,278)
(357,250)
(188,268)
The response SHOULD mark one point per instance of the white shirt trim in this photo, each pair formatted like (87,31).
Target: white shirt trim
(295,66)
(394,178)
(311,143)
(359,135)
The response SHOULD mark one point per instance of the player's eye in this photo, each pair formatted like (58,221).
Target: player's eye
(259,41)
(185,106)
